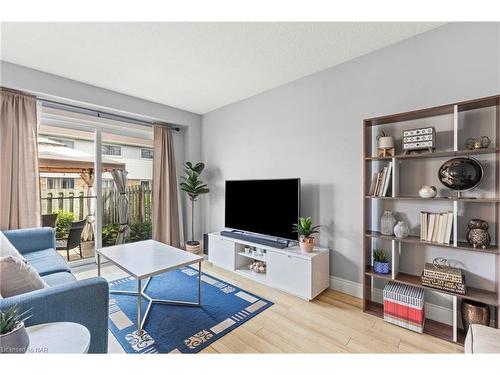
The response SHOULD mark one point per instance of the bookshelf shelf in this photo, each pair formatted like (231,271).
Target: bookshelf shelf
(416,240)
(438,199)
(454,123)
(436,154)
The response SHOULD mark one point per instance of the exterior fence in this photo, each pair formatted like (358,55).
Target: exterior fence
(80,203)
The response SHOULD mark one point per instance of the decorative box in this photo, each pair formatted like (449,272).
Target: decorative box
(404,306)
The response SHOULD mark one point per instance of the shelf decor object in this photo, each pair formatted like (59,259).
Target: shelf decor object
(477,234)
(427,191)
(461,174)
(448,129)
(404,306)
(419,139)
(474,312)
(387,223)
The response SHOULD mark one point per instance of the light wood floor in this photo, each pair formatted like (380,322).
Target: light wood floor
(332,323)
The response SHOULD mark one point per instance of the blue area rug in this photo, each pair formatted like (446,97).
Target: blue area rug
(180,329)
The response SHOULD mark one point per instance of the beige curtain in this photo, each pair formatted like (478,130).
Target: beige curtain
(20,182)
(165,189)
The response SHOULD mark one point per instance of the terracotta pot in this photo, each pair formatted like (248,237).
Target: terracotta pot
(193,247)
(306,244)
(16,341)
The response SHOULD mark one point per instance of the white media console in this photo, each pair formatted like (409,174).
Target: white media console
(302,274)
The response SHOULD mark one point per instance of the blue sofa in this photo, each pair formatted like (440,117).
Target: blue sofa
(85,302)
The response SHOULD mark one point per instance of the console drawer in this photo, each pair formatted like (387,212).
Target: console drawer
(290,273)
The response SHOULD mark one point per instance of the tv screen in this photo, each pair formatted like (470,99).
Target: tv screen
(268,207)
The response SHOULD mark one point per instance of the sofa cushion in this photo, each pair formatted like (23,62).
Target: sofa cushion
(47,261)
(18,277)
(482,339)
(59,278)
(7,249)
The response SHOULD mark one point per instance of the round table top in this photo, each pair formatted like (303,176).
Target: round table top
(59,337)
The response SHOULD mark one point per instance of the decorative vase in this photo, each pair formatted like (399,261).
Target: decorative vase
(381,267)
(387,223)
(401,230)
(193,247)
(306,244)
(386,142)
(427,191)
(477,233)
(474,313)
(15,341)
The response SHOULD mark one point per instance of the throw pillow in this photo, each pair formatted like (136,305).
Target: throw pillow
(7,249)
(18,277)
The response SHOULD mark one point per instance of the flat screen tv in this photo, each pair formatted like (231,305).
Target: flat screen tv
(267,207)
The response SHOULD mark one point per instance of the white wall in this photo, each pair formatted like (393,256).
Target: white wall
(186,142)
(312,128)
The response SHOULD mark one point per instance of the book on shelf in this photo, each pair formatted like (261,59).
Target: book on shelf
(436,227)
(381,182)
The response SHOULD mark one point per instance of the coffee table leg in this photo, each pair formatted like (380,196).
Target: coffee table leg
(199,284)
(139,299)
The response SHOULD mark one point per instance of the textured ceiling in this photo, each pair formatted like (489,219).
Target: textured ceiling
(194,66)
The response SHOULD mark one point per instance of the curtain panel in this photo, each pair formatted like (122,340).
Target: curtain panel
(19,173)
(165,189)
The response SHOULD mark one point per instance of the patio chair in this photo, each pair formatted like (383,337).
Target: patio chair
(49,220)
(74,238)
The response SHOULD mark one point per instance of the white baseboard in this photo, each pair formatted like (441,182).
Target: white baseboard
(432,311)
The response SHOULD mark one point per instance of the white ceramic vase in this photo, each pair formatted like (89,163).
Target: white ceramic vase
(401,230)
(387,223)
(386,142)
(427,191)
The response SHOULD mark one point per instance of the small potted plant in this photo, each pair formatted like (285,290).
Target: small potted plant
(193,187)
(305,230)
(385,141)
(381,261)
(13,335)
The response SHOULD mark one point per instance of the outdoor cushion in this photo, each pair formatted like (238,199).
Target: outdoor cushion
(47,261)
(59,278)
(7,249)
(18,277)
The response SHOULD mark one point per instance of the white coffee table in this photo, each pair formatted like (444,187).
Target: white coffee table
(143,260)
(58,338)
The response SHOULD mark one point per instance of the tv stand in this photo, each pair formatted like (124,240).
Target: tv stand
(302,274)
(254,238)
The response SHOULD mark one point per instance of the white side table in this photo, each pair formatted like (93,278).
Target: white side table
(58,338)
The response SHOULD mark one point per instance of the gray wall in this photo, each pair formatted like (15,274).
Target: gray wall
(312,128)
(187,142)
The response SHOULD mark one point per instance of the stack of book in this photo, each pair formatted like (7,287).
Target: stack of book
(450,279)
(436,227)
(404,306)
(381,182)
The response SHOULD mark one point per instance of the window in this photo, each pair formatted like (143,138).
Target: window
(108,184)
(60,183)
(146,153)
(67,142)
(111,150)
(146,184)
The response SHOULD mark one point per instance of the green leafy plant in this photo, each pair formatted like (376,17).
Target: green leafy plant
(193,187)
(381,256)
(63,223)
(109,233)
(11,319)
(140,232)
(305,228)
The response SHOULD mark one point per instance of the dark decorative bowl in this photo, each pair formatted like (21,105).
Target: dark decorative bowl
(461,173)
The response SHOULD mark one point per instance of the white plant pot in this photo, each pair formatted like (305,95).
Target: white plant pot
(16,341)
(386,142)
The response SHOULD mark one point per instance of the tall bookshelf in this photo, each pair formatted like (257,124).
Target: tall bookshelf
(454,123)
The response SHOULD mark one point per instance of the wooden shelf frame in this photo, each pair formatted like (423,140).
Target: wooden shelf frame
(490,297)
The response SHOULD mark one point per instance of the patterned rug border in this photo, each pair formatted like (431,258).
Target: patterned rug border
(219,335)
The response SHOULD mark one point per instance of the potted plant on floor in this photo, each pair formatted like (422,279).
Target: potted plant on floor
(381,261)
(305,230)
(193,187)
(13,335)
